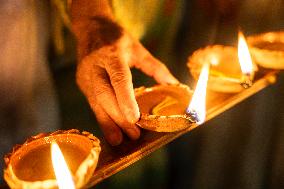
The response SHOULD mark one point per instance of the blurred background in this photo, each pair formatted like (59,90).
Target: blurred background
(241,148)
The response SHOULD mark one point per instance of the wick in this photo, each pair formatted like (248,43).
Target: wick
(192,115)
(246,81)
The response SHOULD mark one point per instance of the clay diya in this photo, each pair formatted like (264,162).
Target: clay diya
(163,107)
(267,49)
(30,166)
(225,71)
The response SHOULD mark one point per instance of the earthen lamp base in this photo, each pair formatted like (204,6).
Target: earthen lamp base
(30,166)
(268,49)
(163,107)
(225,71)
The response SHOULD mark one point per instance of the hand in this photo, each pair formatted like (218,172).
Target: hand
(105,77)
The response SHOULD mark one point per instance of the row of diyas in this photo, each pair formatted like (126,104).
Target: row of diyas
(232,69)
(166,108)
(231,66)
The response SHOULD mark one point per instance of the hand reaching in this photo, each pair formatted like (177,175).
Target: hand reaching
(104,76)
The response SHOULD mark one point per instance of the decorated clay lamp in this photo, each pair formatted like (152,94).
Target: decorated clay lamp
(163,107)
(231,69)
(166,108)
(267,49)
(31,165)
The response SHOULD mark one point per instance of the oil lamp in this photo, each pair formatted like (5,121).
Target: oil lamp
(166,109)
(163,107)
(31,164)
(231,68)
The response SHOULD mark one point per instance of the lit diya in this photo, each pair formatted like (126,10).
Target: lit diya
(31,164)
(267,49)
(231,68)
(170,108)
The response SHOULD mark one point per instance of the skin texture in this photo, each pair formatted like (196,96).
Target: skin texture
(106,52)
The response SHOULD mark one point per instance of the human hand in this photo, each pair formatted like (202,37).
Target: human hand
(105,78)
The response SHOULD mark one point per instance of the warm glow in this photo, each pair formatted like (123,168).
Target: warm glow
(197,106)
(214,60)
(62,173)
(244,55)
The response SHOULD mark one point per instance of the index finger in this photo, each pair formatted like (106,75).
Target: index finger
(121,81)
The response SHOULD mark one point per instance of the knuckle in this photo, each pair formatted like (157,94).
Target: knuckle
(119,78)
(100,91)
(119,74)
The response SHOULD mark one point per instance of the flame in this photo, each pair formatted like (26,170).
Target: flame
(197,106)
(244,55)
(62,173)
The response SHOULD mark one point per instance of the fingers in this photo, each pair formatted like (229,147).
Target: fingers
(153,67)
(110,130)
(107,99)
(121,81)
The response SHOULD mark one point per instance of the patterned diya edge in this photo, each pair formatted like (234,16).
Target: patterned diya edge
(167,124)
(160,123)
(82,175)
(267,58)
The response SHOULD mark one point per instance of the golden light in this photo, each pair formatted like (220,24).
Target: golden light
(214,60)
(197,106)
(244,55)
(61,170)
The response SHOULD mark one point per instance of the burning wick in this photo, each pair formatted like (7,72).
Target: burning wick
(196,110)
(246,81)
(245,61)
(192,115)
(62,173)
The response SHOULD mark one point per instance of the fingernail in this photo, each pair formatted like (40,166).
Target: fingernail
(133,133)
(114,138)
(133,115)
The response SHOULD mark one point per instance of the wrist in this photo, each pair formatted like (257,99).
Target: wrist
(96,33)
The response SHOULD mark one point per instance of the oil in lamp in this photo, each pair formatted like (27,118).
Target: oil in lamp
(30,165)
(231,68)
